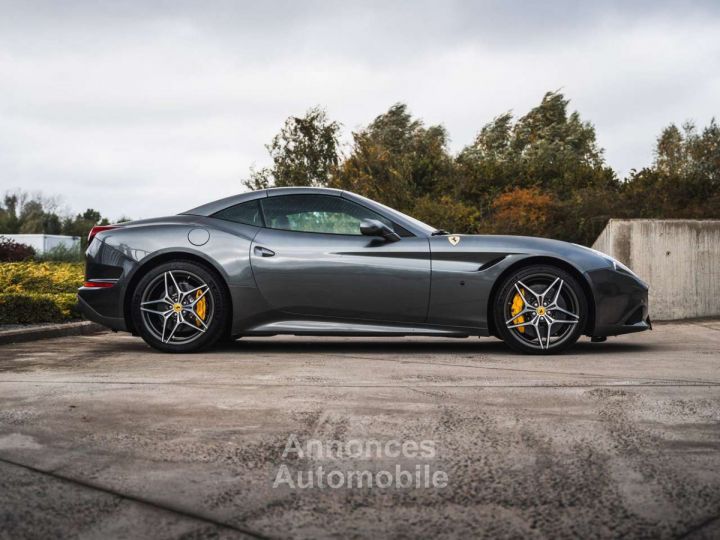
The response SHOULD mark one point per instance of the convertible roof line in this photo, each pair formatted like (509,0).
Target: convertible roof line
(215,206)
(406,222)
(273,192)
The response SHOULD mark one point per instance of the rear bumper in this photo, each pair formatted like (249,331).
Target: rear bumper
(621,303)
(93,303)
(103,265)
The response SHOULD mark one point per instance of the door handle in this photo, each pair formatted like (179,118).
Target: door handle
(263,251)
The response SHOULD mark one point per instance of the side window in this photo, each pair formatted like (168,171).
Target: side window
(247,213)
(316,213)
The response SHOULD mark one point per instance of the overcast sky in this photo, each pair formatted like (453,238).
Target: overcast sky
(149,108)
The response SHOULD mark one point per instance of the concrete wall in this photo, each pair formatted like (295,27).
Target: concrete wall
(45,242)
(679,258)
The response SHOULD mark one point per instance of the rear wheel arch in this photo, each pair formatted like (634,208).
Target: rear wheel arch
(552,261)
(163,258)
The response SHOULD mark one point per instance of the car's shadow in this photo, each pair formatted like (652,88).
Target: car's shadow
(383,346)
(469,346)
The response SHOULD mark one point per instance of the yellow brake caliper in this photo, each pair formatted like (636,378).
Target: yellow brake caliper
(517,307)
(200,308)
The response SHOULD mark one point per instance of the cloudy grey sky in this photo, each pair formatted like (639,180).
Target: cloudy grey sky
(147,108)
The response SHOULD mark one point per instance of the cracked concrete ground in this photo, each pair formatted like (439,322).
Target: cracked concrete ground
(102,437)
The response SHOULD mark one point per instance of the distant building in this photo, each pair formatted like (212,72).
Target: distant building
(42,243)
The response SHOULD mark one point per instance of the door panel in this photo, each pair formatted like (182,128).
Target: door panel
(343,276)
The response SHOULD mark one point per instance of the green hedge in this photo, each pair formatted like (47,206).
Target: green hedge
(30,308)
(37,277)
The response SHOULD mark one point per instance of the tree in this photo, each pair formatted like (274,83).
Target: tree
(9,221)
(35,219)
(81,224)
(304,153)
(489,166)
(684,179)
(447,213)
(29,214)
(397,160)
(542,173)
(548,149)
(526,211)
(670,151)
(559,151)
(37,214)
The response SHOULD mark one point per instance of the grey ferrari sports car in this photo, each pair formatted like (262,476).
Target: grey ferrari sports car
(315,261)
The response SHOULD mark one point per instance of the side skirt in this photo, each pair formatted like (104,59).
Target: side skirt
(325,328)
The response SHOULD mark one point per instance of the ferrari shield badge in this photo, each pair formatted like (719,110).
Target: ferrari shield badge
(454,240)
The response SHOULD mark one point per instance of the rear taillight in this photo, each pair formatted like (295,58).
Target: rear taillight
(99,228)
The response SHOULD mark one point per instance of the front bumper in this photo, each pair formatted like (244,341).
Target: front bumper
(621,303)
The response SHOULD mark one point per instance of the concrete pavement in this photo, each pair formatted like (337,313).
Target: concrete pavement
(102,437)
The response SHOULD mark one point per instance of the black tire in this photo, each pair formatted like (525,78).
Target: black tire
(188,284)
(540,329)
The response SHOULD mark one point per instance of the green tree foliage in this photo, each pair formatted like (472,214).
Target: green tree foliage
(35,217)
(22,213)
(81,224)
(447,213)
(548,149)
(542,174)
(9,220)
(684,180)
(304,153)
(397,160)
(400,162)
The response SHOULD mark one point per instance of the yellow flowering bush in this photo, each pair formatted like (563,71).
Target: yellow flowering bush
(30,308)
(41,277)
(38,292)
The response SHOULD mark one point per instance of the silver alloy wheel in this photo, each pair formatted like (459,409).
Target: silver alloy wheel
(172,307)
(549,312)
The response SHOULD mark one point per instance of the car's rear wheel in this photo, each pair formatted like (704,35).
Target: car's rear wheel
(180,306)
(540,309)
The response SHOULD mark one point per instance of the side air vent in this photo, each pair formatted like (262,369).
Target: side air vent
(490,263)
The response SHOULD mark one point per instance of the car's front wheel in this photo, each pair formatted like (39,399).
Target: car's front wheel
(180,306)
(540,309)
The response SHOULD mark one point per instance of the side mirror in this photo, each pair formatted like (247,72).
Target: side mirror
(374,227)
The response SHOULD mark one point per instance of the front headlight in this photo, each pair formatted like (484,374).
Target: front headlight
(621,267)
(617,265)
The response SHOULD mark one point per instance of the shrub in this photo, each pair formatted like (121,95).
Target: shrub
(32,292)
(61,253)
(11,251)
(46,277)
(31,308)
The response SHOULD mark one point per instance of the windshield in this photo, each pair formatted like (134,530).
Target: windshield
(399,216)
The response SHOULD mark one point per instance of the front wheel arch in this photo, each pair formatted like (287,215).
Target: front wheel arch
(530,261)
(162,259)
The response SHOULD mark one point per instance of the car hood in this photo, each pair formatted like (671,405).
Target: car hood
(582,257)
